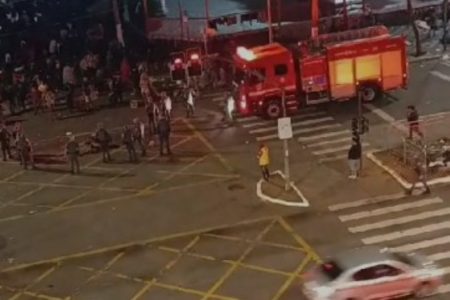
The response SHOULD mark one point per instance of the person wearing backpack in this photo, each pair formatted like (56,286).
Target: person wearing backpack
(127,140)
(104,139)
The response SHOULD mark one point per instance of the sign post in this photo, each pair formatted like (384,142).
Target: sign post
(285,133)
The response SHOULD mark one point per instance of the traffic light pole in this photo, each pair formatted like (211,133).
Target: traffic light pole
(206,26)
(360,117)
(269,20)
(287,171)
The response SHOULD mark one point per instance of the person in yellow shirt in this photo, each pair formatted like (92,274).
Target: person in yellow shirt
(264,161)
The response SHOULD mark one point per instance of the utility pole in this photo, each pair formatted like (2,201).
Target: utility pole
(206,26)
(117,20)
(287,172)
(269,20)
(444,21)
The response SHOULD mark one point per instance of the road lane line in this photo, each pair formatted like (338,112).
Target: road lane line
(440,75)
(367,201)
(274,122)
(422,244)
(335,149)
(299,131)
(389,209)
(400,221)
(322,136)
(274,127)
(406,233)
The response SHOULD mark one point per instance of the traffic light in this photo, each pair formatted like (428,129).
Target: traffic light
(177,67)
(195,66)
(355,130)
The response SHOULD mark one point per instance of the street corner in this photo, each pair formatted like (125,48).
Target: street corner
(227,263)
(274,191)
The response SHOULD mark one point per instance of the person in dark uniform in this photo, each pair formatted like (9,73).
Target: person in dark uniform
(104,139)
(127,139)
(25,151)
(139,135)
(163,129)
(5,142)
(73,154)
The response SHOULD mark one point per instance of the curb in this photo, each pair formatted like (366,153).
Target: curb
(304,202)
(403,182)
(424,58)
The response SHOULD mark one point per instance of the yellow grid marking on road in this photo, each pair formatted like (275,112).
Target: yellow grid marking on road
(137,243)
(159,284)
(71,186)
(211,148)
(44,275)
(148,189)
(235,264)
(228,262)
(166,268)
(294,275)
(15,175)
(264,243)
(23,196)
(314,256)
(230,176)
(29,293)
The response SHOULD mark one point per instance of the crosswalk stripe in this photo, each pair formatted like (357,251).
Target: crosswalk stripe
(401,220)
(367,201)
(405,233)
(335,149)
(294,125)
(322,136)
(439,256)
(389,209)
(422,244)
(333,158)
(444,289)
(337,141)
(299,117)
(298,131)
(440,75)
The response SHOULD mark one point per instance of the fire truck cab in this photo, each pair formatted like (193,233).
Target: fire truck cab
(343,64)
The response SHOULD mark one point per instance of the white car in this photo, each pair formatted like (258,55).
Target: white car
(370,273)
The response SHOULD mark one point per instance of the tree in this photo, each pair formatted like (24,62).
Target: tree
(412,20)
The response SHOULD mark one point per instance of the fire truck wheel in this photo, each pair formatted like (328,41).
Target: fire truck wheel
(273,110)
(370,93)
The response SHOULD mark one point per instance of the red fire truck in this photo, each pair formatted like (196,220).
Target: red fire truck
(332,67)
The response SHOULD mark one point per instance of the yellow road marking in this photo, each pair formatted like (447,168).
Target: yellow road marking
(314,256)
(34,282)
(248,241)
(23,196)
(211,148)
(291,278)
(15,175)
(235,264)
(166,268)
(201,174)
(75,187)
(136,243)
(28,293)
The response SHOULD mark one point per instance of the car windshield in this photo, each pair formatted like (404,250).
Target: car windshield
(331,270)
(402,258)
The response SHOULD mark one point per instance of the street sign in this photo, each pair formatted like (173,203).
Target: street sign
(284,128)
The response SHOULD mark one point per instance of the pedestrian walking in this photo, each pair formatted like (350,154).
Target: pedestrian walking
(25,151)
(139,135)
(104,139)
(354,159)
(419,177)
(73,154)
(152,111)
(127,140)
(264,161)
(230,107)
(163,129)
(413,122)
(5,142)
(190,103)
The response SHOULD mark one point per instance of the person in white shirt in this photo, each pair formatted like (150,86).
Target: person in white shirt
(167,105)
(190,103)
(231,106)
